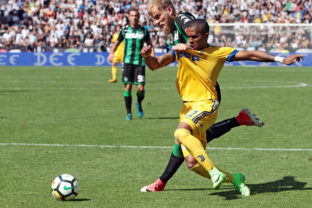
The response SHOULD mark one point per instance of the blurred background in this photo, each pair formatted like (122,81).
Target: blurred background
(88,25)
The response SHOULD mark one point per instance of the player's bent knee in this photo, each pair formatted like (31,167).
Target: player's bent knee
(128,87)
(180,133)
(140,88)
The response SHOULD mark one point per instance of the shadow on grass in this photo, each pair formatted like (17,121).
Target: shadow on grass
(14,91)
(155,118)
(288,183)
(78,200)
(198,189)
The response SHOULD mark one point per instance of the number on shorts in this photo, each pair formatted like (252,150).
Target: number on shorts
(192,113)
(140,78)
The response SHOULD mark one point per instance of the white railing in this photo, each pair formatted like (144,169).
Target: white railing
(262,36)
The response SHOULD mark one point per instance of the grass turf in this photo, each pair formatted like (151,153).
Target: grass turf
(78,106)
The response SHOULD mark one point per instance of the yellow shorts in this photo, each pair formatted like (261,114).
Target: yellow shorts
(200,115)
(118,57)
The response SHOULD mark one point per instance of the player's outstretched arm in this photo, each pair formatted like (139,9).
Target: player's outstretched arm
(156,62)
(292,59)
(265,57)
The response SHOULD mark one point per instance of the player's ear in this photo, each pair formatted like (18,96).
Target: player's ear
(170,10)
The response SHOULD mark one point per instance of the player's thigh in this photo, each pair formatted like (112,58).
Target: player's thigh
(139,75)
(118,57)
(127,73)
(199,115)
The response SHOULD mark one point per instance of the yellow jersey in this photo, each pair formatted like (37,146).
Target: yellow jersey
(199,70)
(120,48)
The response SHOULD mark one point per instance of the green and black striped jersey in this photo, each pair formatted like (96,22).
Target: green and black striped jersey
(180,23)
(134,39)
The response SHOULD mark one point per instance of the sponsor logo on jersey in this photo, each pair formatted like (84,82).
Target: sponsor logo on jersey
(134,35)
(187,55)
(176,36)
(185,19)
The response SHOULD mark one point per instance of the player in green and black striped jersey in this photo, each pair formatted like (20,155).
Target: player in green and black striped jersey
(133,72)
(180,23)
(173,23)
(134,41)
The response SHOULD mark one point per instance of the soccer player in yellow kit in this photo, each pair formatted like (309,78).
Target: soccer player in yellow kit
(118,55)
(199,68)
(174,23)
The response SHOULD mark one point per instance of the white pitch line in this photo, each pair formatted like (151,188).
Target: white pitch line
(297,85)
(265,84)
(151,147)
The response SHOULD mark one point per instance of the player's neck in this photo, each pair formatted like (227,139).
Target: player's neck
(134,25)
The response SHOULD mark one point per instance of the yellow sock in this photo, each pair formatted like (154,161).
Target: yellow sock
(229,176)
(114,72)
(194,147)
(200,170)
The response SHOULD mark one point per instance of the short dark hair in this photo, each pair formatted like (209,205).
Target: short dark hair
(201,24)
(134,9)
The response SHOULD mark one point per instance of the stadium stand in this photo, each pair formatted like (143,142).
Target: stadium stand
(87,25)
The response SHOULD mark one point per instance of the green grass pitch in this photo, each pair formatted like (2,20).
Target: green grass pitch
(80,118)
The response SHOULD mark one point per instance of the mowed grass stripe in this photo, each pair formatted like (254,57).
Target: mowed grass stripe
(150,147)
(113,159)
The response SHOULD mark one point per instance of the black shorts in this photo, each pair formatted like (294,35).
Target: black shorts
(133,74)
(218,92)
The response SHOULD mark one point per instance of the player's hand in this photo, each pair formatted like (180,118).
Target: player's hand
(146,51)
(292,59)
(111,57)
(180,47)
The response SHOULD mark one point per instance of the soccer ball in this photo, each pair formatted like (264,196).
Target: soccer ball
(65,187)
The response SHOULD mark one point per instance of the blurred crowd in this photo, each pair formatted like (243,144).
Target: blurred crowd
(88,25)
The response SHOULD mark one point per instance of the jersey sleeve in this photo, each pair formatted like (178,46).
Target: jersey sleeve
(147,36)
(225,53)
(121,35)
(115,37)
(182,20)
(229,58)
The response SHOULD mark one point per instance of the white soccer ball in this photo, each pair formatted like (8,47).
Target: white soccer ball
(65,187)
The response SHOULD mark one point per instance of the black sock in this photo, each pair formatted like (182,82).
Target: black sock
(220,128)
(172,166)
(128,101)
(140,96)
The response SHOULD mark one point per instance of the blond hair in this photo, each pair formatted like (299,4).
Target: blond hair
(156,5)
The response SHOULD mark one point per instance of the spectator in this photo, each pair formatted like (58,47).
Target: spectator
(69,22)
